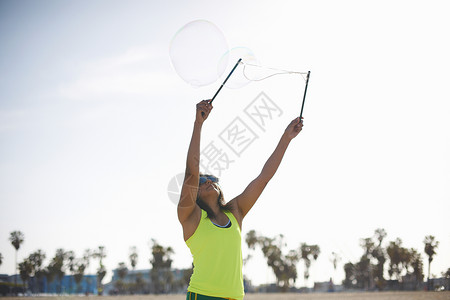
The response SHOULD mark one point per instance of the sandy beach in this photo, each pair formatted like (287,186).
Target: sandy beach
(278,296)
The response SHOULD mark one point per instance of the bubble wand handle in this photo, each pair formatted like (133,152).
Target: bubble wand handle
(235,66)
(304,94)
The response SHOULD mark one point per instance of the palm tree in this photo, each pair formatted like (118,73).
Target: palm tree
(430,246)
(16,238)
(122,272)
(80,267)
(71,265)
(308,252)
(335,259)
(133,258)
(284,267)
(417,265)
(446,275)
(37,258)
(379,254)
(395,252)
(101,271)
(49,273)
(380,234)
(161,264)
(87,255)
(57,266)
(26,268)
(350,275)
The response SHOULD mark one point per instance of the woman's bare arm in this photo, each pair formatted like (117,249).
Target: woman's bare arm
(187,205)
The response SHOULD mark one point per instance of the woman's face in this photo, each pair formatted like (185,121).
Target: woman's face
(208,189)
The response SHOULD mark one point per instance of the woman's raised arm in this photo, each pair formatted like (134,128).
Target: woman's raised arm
(188,196)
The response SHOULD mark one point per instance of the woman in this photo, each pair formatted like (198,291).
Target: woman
(211,228)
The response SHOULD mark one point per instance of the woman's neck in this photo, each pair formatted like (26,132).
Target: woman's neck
(216,210)
(213,210)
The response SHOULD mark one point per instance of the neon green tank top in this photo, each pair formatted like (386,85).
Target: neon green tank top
(217,259)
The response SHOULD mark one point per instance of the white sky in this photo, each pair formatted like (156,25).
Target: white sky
(94,123)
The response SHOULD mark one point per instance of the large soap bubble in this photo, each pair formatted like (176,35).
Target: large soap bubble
(195,52)
(238,79)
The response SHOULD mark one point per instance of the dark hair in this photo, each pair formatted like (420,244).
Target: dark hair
(220,200)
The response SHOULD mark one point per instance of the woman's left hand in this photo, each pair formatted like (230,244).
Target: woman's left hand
(294,128)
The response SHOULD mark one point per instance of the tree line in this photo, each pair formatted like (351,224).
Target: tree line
(161,274)
(368,273)
(66,263)
(403,263)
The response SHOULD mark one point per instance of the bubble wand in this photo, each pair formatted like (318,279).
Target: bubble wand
(235,66)
(304,94)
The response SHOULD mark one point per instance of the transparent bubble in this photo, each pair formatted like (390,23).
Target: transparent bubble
(238,79)
(195,52)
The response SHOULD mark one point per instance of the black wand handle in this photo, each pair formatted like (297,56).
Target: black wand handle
(304,94)
(235,66)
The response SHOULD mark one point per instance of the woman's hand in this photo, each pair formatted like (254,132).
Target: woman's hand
(294,128)
(203,110)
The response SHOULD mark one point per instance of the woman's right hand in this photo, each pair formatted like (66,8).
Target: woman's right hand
(203,110)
